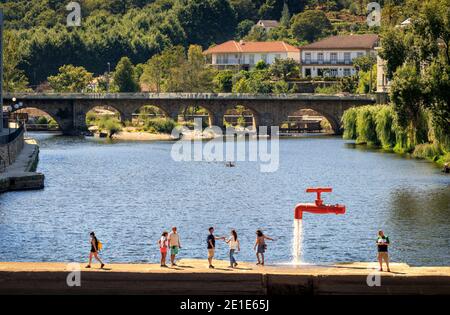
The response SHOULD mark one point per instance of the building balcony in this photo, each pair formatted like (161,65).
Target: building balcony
(327,62)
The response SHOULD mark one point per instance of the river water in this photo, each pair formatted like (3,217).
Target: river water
(129,192)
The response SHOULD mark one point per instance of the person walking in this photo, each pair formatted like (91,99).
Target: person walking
(260,246)
(94,251)
(383,244)
(211,243)
(174,244)
(234,244)
(163,247)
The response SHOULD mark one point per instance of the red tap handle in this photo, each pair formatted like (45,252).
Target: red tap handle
(319,201)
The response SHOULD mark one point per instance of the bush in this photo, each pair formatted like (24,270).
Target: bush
(42,120)
(110,124)
(349,123)
(385,128)
(330,89)
(365,126)
(428,151)
(160,125)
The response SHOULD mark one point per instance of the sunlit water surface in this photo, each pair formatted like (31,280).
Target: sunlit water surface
(129,192)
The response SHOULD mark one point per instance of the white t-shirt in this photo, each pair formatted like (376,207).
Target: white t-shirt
(233,243)
(163,242)
(174,239)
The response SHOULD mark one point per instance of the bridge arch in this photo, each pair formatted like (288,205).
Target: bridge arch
(188,112)
(34,112)
(333,119)
(248,115)
(123,116)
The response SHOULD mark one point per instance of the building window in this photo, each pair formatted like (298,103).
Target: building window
(308,57)
(307,72)
(347,72)
(320,57)
(333,57)
(277,56)
(225,59)
(333,72)
(360,54)
(251,59)
(347,57)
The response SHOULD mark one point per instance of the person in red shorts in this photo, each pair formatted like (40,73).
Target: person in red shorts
(163,247)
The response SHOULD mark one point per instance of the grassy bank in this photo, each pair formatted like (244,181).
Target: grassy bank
(377,127)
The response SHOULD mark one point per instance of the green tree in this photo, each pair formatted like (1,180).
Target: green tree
(243,28)
(70,79)
(223,81)
(285,16)
(124,77)
(394,50)
(310,25)
(14,79)
(284,69)
(407,97)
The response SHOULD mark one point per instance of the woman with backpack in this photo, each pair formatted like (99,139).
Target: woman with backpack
(95,247)
(163,247)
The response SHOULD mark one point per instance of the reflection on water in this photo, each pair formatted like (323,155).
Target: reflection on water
(129,192)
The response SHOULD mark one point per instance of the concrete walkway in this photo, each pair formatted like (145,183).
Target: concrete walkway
(192,277)
(21,174)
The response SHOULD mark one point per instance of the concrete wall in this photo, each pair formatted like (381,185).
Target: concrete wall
(9,152)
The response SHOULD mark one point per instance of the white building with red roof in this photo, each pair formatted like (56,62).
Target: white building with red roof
(244,55)
(333,56)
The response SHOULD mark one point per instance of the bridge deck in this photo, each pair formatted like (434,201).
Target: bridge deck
(181,96)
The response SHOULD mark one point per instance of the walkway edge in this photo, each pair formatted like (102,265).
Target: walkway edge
(22,175)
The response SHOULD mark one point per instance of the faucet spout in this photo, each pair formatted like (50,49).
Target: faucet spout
(318,207)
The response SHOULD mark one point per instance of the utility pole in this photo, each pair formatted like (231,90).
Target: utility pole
(1,70)
(109,74)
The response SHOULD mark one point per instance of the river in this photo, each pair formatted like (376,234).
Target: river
(129,192)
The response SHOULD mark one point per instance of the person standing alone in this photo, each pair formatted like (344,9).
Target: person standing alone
(383,243)
(94,251)
(174,244)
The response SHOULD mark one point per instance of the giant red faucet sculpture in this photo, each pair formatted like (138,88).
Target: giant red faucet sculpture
(318,206)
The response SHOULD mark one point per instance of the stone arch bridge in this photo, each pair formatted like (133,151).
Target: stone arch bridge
(69,110)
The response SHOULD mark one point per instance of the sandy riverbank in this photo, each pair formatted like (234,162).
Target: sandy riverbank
(147,136)
(193,277)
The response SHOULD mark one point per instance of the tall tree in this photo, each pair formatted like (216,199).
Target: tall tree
(310,25)
(124,77)
(14,79)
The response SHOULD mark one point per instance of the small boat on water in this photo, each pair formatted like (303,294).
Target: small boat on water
(230,164)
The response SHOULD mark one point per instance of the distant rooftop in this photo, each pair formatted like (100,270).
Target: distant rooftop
(268,23)
(251,47)
(366,41)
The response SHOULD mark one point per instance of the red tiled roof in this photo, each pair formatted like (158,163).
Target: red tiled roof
(368,41)
(251,47)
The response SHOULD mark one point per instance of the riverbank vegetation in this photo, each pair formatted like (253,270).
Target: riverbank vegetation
(379,127)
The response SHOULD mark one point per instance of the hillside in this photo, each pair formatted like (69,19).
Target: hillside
(139,29)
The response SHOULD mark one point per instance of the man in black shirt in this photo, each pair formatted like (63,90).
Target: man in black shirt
(211,241)
(383,243)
